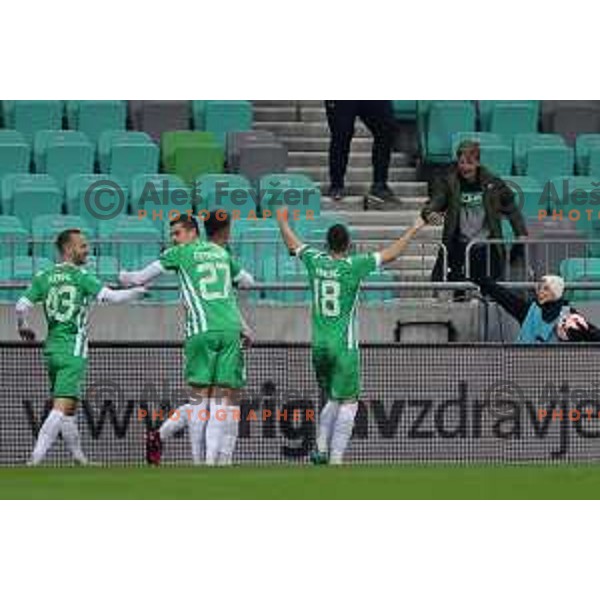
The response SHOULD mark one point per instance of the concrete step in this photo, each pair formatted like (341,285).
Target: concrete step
(402,218)
(286,103)
(356,204)
(357,159)
(321,144)
(356,174)
(314,114)
(391,232)
(288,113)
(400,188)
(294,128)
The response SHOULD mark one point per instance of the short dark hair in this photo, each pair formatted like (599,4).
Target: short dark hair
(64,237)
(217,220)
(338,238)
(187,222)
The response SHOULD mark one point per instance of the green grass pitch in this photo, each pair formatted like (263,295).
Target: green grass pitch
(294,482)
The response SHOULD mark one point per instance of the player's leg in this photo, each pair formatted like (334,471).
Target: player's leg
(345,391)
(230,377)
(200,359)
(322,365)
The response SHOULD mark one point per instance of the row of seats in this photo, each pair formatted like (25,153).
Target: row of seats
(154,117)
(99,198)
(539,155)
(124,154)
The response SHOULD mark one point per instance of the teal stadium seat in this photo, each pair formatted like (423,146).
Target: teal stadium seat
(45,229)
(583,145)
(62,154)
(561,194)
(528,193)
(297,192)
(31,116)
(112,194)
(547,162)
(524,142)
(93,117)
(594,162)
(496,151)
(233,194)
(20,269)
(224,116)
(26,196)
(15,152)
(405,110)
(163,197)
(484,138)
(125,154)
(444,117)
(509,117)
(14,237)
(575,270)
(378,296)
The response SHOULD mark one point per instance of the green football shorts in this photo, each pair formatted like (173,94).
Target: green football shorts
(338,371)
(215,358)
(66,373)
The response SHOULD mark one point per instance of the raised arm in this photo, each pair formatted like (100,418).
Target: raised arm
(109,296)
(393,251)
(291,240)
(143,276)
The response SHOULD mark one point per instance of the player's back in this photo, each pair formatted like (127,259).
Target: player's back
(66,292)
(335,285)
(205,271)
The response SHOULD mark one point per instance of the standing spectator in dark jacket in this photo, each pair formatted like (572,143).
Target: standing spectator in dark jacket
(473,201)
(378,116)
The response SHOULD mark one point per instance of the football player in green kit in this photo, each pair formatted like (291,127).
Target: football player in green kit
(335,277)
(66,291)
(214,327)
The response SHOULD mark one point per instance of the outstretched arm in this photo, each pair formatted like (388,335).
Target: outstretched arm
(143,276)
(292,241)
(393,251)
(109,296)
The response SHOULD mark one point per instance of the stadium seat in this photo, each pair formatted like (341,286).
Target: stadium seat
(571,119)
(93,117)
(528,194)
(191,154)
(198,107)
(594,163)
(107,189)
(159,193)
(523,142)
(156,117)
(15,152)
(234,194)
(45,228)
(31,116)
(581,270)
(257,159)
(497,159)
(224,116)
(14,237)
(62,154)
(236,139)
(26,196)
(547,162)
(443,118)
(405,110)
(125,154)
(484,138)
(297,192)
(378,296)
(105,268)
(130,240)
(509,117)
(21,269)
(584,142)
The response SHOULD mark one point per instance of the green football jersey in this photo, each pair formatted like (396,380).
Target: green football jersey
(66,292)
(206,271)
(335,284)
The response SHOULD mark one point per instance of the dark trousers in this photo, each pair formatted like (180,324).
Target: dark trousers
(484,262)
(378,116)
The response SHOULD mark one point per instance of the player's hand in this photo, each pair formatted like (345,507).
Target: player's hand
(419,223)
(247,338)
(27,334)
(125,279)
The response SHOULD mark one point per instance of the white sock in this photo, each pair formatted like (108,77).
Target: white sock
(70,434)
(230,436)
(326,423)
(342,431)
(197,428)
(215,431)
(171,426)
(47,435)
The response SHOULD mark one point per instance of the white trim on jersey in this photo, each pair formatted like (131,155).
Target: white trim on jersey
(190,309)
(196,301)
